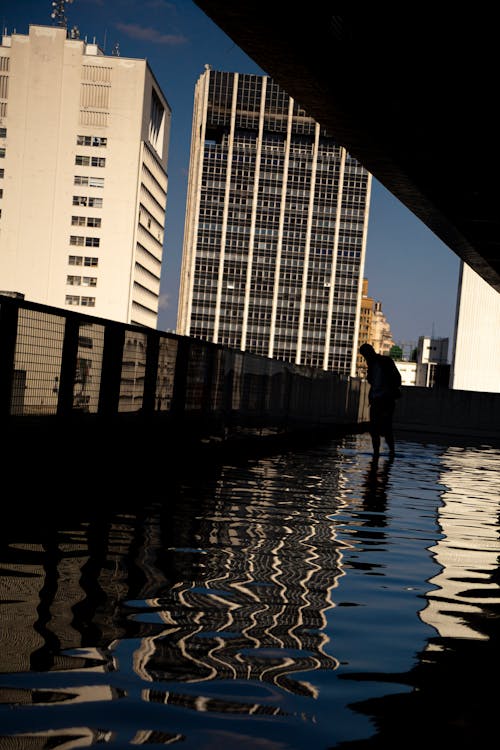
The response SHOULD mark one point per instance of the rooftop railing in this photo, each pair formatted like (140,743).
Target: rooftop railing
(62,364)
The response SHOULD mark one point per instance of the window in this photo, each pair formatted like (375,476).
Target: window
(156,121)
(73,280)
(86,200)
(90,161)
(75,260)
(91,140)
(90,261)
(92,241)
(89,281)
(90,181)
(3,132)
(2,152)
(85,342)
(75,240)
(72,299)
(88,301)
(88,221)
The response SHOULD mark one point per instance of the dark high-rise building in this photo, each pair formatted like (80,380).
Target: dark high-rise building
(275,229)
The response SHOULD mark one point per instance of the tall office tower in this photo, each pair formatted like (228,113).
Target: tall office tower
(275,228)
(476,356)
(83,176)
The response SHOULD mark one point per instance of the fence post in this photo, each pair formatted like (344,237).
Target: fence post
(180,376)
(68,367)
(151,374)
(112,358)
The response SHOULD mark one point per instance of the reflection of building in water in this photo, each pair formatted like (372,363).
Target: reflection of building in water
(258,609)
(468,551)
(40,339)
(39,345)
(232,581)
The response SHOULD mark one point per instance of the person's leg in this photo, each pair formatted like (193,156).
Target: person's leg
(389,439)
(375,428)
(388,431)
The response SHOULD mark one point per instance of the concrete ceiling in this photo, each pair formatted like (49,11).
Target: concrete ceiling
(412,95)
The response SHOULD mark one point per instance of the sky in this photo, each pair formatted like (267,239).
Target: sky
(409,270)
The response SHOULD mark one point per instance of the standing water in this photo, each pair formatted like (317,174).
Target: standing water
(305,600)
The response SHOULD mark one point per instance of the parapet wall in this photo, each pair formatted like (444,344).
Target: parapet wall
(449,412)
(63,368)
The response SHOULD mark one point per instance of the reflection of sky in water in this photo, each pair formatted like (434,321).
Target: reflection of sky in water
(254,607)
(468,552)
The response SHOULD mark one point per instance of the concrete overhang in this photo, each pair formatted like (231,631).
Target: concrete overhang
(412,95)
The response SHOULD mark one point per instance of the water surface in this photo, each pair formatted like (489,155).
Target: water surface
(304,600)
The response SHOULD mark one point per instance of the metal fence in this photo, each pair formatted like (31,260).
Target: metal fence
(60,364)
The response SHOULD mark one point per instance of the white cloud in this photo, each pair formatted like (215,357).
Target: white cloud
(148,34)
(164,302)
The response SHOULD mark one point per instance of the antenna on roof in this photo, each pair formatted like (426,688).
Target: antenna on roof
(58,15)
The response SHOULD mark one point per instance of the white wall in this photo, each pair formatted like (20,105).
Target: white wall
(476,358)
(408,371)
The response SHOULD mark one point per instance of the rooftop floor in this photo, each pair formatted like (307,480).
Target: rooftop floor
(304,598)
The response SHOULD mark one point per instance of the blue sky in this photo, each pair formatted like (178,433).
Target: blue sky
(408,268)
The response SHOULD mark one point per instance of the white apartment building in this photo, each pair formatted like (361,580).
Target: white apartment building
(432,356)
(432,350)
(84,143)
(476,357)
(408,371)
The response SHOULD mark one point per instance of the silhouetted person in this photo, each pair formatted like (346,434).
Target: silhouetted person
(385,381)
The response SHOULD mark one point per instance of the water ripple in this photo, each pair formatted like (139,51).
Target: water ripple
(288,602)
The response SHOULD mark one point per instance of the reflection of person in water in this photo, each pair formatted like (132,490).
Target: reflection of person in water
(375,487)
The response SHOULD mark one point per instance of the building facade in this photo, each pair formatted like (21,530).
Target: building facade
(476,356)
(374,329)
(432,362)
(365,327)
(83,177)
(275,228)
(381,331)
(429,368)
